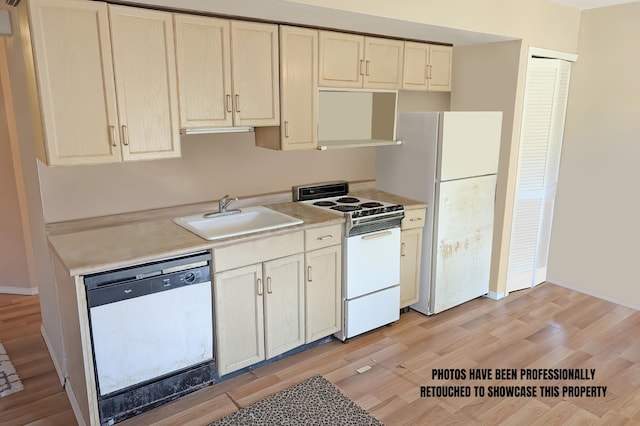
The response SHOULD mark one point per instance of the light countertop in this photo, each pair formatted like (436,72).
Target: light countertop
(103,244)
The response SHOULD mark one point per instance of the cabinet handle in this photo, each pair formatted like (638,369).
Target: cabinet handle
(260,288)
(367,67)
(426,72)
(403,247)
(269,285)
(237,103)
(415,219)
(112,135)
(309,273)
(125,135)
(430,71)
(381,234)
(325,237)
(286,128)
(361,66)
(229,103)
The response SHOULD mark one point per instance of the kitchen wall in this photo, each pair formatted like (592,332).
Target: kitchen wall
(595,236)
(211,166)
(15,269)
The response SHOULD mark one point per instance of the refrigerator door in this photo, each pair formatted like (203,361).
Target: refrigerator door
(462,241)
(469,144)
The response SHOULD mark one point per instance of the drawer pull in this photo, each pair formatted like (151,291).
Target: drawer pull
(229,104)
(415,219)
(112,135)
(309,273)
(125,135)
(325,237)
(381,234)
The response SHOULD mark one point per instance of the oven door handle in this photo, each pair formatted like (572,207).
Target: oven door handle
(372,236)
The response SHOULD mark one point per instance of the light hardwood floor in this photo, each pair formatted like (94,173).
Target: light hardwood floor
(545,327)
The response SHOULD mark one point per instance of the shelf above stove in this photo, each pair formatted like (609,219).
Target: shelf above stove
(356,143)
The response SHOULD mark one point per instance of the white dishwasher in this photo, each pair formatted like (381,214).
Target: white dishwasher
(152,333)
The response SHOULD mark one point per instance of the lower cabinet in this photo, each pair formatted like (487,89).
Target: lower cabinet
(323,287)
(259,312)
(410,256)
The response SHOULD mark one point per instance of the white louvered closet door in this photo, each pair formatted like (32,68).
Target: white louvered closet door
(543,117)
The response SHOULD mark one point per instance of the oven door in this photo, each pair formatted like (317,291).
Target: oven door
(372,262)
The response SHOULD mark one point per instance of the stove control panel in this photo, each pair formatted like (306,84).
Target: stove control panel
(377,210)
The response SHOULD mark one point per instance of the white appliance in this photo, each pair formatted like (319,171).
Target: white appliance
(370,255)
(151,332)
(448,160)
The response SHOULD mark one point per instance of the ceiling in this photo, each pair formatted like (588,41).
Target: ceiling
(591,4)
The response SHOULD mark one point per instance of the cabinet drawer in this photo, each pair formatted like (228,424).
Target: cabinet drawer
(250,252)
(322,237)
(413,219)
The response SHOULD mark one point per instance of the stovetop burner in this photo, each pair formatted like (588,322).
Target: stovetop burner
(324,203)
(371,204)
(348,200)
(346,208)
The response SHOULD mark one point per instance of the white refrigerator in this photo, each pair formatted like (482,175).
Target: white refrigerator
(448,160)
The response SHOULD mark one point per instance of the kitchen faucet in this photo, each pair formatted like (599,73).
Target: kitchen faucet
(222,207)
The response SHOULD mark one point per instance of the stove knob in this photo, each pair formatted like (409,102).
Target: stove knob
(356,214)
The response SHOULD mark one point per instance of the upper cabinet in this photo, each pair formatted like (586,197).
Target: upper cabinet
(348,60)
(203,54)
(97,103)
(427,67)
(298,93)
(145,69)
(227,72)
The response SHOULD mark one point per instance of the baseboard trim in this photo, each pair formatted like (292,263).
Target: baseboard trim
(594,294)
(23,291)
(56,363)
(496,296)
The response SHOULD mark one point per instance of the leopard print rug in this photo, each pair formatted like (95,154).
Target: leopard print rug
(315,401)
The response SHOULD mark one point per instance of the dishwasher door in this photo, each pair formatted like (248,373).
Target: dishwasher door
(150,327)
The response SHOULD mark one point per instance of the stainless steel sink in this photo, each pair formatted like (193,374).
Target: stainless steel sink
(248,220)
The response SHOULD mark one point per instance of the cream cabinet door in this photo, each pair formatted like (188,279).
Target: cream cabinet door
(341,59)
(427,67)
(416,66)
(440,59)
(239,324)
(383,63)
(299,88)
(203,55)
(323,292)
(410,255)
(145,71)
(256,91)
(283,304)
(74,73)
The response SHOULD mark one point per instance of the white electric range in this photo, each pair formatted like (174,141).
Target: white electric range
(370,255)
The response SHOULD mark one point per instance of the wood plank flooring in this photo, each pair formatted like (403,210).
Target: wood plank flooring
(545,327)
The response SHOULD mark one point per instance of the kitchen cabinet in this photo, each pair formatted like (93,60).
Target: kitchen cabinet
(145,71)
(227,72)
(323,260)
(203,58)
(98,101)
(348,60)
(298,93)
(258,300)
(410,256)
(427,67)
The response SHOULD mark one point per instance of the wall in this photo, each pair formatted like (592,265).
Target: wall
(211,166)
(493,86)
(15,267)
(594,241)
